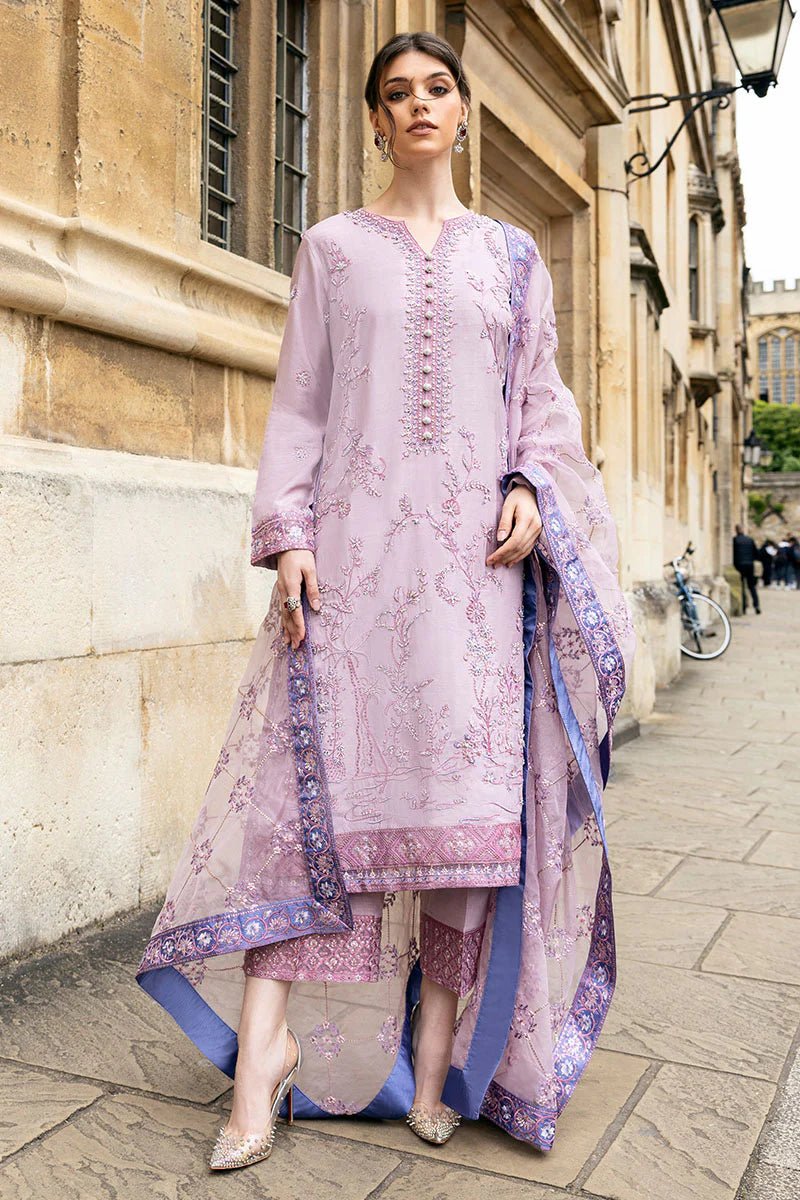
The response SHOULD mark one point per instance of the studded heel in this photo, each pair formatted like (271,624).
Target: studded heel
(231,1150)
(435,1127)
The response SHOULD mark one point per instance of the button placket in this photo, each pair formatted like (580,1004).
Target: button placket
(426,418)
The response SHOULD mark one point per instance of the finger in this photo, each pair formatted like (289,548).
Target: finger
(506,521)
(289,584)
(518,545)
(312,586)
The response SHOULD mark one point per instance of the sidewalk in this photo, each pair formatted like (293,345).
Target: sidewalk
(690,1095)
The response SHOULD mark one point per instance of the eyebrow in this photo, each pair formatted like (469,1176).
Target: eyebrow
(405,79)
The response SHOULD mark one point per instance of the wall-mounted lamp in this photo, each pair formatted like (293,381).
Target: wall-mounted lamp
(756,31)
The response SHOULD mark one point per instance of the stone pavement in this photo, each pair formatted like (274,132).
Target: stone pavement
(691,1094)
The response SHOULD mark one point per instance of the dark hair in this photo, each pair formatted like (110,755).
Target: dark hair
(426,43)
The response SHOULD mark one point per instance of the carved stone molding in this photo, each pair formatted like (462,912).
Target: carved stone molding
(83,274)
(644,267)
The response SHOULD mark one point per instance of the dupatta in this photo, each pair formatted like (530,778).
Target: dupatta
(261,865)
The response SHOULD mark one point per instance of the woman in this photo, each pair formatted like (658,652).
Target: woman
(408,799)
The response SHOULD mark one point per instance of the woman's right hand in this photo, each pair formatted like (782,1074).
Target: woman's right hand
(296,567)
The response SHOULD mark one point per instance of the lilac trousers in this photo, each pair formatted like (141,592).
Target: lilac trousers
(452,923)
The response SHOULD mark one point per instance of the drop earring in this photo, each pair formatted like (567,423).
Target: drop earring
(461,137)
(380,142)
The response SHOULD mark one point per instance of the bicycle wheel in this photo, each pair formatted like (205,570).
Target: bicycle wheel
(706,631)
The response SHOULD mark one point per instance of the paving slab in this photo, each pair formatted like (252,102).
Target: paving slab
(639,871)
(778,849)
(605,1087)
(665,831)
(137,1148)
(755,946)
(434,1181)
(780,1145)
(770,1183)
(31,1102)
(66,1012)
(671,932)
(690,1135)
(742,1026)
(746,886)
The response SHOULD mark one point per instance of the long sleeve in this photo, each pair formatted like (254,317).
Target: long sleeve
(295,429)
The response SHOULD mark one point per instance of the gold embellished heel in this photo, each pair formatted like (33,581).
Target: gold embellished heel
(434,1127)
(240,1151)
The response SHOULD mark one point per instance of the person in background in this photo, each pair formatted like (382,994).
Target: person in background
(744,559)
(793,567)
(766,557)
(782,563)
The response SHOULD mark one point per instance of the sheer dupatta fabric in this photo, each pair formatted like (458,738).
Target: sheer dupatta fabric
(261,865)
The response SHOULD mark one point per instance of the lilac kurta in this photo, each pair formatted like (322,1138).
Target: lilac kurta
(443,725)
(384,453)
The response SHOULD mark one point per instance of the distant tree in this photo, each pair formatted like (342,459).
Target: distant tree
(762,505)
(790,462)
(777,427)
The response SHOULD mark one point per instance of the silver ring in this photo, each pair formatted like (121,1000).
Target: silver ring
(292,602)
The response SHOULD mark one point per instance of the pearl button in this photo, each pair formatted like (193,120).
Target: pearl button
(427,333)
(429,267)
(426,350)
(428,313)
(426,387)
(426,402)
(429,258)
(426,368)
(426,420)
(428,283)
(426,433)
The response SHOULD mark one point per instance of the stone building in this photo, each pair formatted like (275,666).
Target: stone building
(159,162)
(773,332)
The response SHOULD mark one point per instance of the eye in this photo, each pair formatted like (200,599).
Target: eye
(393,95)
(443,86)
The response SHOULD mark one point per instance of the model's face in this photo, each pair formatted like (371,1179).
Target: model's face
(419,90)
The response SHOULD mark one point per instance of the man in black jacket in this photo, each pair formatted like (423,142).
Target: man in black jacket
(744,557)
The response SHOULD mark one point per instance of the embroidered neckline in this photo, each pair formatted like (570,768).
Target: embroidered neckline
(395,226)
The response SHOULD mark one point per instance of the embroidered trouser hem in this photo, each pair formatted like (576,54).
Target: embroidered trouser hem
(452,923)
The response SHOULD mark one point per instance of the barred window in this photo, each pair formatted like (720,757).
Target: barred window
(219,70)
(762,354)
(694,270)
(291,130)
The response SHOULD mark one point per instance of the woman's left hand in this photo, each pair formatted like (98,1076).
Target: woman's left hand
(521,511)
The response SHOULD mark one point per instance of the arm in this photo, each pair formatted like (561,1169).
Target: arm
(295,430)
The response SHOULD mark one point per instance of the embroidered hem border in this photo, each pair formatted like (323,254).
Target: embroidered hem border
(536,1123)
(448,956)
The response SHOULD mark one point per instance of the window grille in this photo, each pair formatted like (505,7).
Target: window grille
(219,70)
(291,130)
(694,270)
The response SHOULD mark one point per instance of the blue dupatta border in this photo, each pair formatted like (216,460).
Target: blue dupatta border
(530,1122)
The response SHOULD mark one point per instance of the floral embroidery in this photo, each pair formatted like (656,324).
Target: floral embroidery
(201,855)
(389,1036)
(327,1040)
(241,793)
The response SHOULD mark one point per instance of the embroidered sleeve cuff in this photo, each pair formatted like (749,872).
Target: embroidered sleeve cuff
(287,530)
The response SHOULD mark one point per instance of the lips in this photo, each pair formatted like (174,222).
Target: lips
(421,125)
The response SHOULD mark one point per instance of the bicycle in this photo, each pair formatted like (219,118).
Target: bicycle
(705,626)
